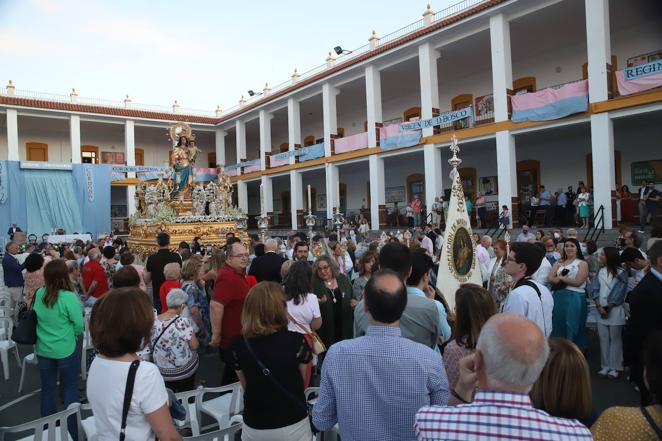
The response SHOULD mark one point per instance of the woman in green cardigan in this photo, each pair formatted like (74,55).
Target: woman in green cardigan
(334,292)
(59,323)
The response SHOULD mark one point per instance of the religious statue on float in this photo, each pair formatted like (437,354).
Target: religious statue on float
(182,157)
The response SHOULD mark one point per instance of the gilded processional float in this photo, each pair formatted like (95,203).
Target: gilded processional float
(175,204)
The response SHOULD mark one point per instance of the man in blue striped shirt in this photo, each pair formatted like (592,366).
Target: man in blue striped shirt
(373,385)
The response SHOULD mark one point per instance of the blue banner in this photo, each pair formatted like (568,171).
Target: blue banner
(445,118)
(92,187)
(311,152)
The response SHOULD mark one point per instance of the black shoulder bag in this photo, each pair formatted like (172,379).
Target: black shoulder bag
(652,422)
(153,345)
(128,393)
(267,373)
(24,330)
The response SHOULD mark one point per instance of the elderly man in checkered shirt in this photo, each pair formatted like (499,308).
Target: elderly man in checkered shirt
(373,385)
(510,354)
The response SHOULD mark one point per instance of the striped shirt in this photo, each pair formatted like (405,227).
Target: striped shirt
(496,416)
(373,385)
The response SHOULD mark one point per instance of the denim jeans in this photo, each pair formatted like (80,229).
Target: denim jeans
(69,369)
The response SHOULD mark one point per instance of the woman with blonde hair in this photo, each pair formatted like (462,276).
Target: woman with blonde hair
(564,387)
(193,285)
(270,362)
(334,293)
(474,305)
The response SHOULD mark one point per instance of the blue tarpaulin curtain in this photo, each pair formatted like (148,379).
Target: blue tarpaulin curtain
(51,202)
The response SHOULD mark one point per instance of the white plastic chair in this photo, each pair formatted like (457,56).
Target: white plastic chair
(31,358)
(227,434)
(6,344)
(86,346)
(89,424)
(189,400)
(56,430)
(334,433)
(226,408)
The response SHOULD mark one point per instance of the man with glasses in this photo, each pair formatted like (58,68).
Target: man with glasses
(528,298)
(230,291)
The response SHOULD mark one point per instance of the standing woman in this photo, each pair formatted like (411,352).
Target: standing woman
(342,259)
(608,292)
(34,274)
(499,282)
(568,278)
(334,292)
(270,362)
(59,323)
(583,198)
(303,309)
(368,264)
(481,210)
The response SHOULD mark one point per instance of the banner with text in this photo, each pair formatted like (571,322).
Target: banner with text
(639,78)
(444,118)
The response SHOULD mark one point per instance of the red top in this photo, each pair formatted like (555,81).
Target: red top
(92,271)
(230,290)
(417,205)
(164,290)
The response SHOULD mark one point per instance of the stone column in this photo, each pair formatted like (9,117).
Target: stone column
(507,174)
(242,196)
(373,90)
(330,116)
(377,193)
(74,138)
(293,125)
(331,188)
(433,174)
(220,146)
(502,69)
(265,137)
(599,50)
(602,149)
(427,64)
(241,141)
(296,197)
(268,192)
(12,135)
(130,156)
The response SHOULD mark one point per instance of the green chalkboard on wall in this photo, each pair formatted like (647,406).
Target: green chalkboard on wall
(648,170)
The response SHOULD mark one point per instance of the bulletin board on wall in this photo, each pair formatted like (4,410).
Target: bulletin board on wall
(650,170)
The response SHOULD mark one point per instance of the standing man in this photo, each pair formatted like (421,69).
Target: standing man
(301,252)
(13,229)
(546,204)
(417,207)
(651,201)
(230,291)
(13,274)
(645,314)
(528,298)
(382,364)
(643,188)
(267,267)
(95,282)
(525,235)
(155,264)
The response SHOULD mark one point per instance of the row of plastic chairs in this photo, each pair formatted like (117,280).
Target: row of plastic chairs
(54,428)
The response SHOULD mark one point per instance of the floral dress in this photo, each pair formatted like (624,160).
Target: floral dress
(172,353)
(198,297)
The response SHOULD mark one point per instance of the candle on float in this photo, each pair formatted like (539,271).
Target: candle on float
(310,207)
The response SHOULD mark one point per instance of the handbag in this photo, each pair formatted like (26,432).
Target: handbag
(318,344)
(153,345)
(128,393)
(24,330)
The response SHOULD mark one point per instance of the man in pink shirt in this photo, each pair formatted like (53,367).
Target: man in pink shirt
(417,207)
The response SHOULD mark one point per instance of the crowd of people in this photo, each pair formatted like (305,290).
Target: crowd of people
(362,318)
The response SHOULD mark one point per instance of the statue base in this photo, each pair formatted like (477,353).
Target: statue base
(142,237)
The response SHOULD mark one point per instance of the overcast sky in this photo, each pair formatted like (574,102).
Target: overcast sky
(200,52)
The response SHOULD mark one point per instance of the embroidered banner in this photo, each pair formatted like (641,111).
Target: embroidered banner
(444,118)
(551,103)
(393,137)
(4,184)
(351,143)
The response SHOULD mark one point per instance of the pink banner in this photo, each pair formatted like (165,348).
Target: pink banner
(351,143)
(628,87)
(273,162)
(549,95)
(232,172)
(251,169)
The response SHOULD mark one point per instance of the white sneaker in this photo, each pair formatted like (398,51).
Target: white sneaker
(603,372)
(613,374)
